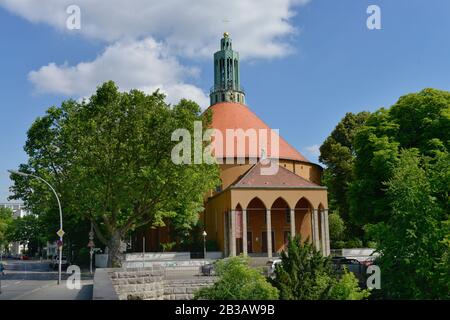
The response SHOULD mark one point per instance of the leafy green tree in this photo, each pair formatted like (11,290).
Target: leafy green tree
(338,154)
(413,242)
(237,281)
(303,274)
(419,120)
(27,230)
(110,158)
(6,218)
(337,227)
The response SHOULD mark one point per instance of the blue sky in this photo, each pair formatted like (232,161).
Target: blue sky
(301,72)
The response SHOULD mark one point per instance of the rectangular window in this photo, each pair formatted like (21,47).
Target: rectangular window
(288,215)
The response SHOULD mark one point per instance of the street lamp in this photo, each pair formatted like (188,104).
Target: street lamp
(204,244)
(60,232)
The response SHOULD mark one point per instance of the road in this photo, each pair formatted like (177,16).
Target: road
(34,280)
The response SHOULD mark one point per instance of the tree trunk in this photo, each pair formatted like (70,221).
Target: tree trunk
(114,260)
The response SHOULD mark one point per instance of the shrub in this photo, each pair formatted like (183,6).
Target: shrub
(337,226)
(237,281)
(304,274)
(347,288)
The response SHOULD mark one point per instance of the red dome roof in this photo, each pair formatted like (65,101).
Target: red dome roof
(229,115)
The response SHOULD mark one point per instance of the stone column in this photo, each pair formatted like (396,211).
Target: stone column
(316,229)
(327,234)
(233,233)
(323,239)
(292,214)
(244,232)
(226,234)
(269,233)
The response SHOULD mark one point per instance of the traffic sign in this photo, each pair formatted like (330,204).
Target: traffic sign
(60,233)
(91,244)
(59,243)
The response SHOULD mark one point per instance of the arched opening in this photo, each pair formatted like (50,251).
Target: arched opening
(256,213)
(281,221)
(303,219)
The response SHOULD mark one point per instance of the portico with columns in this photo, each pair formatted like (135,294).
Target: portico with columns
(259,215)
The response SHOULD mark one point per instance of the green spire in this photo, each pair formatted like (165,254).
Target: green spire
(227,86)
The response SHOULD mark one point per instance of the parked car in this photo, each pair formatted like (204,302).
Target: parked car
(54,263)
(24,257)
(352,265)
(271,267)
(369,261)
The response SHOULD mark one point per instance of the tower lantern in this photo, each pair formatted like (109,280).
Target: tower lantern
(227,86)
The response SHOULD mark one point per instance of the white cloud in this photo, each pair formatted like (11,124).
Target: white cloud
(188,27)
(313,150)
(143,65)
(145,38)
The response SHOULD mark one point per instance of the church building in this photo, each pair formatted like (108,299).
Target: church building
(254,213)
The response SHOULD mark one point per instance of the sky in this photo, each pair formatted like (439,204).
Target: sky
(304,63)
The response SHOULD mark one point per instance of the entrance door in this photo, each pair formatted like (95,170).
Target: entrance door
(238,246)
(264,242)
(249,242)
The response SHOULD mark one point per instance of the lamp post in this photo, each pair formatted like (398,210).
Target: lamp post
(204,244)
(60,232)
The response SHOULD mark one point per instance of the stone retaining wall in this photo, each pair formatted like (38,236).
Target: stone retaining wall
(185,289)
(153,284)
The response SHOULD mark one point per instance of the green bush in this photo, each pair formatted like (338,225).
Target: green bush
(371,244)
(337,226)
(237,281)
(347,288)
(304,274)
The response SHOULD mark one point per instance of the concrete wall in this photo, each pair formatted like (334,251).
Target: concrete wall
(157,256)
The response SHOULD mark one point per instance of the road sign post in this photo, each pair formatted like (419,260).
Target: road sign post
(91,246)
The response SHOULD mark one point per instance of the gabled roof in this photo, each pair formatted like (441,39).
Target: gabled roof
(284,178)
(230,115)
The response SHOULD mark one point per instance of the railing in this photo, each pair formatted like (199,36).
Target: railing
(227,88)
